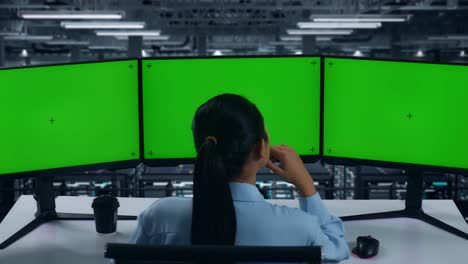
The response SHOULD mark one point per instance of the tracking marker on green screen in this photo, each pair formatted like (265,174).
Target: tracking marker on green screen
(398,112)
(68,115)
(286,91)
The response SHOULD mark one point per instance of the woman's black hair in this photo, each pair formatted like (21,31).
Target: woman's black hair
(225,129)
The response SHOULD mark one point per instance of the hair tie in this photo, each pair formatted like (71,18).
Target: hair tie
(211,138)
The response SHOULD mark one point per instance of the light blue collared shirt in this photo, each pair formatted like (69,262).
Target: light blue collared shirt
(168,221)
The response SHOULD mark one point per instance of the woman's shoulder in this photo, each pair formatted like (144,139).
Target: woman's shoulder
(169,206)
(167,215)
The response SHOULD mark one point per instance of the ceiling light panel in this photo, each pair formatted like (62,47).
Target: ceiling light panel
(128,33)
(160,37)
(29,38)
(318,32)
(102,25)
(94,15)
(331,25)
(360,18)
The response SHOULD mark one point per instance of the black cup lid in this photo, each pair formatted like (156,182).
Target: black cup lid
(105,201)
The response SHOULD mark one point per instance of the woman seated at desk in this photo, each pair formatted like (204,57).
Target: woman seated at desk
(227,209)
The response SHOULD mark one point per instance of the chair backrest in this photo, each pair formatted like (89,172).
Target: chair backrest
(132,253)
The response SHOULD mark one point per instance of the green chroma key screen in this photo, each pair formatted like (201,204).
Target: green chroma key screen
(286,91)
(396,112)
(69,115)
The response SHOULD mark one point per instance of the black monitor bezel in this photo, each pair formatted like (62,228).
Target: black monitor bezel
(347,161)
(113,165)
(177,161)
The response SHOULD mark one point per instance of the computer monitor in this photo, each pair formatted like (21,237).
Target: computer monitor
(285,89)
(393,113)
(69,116)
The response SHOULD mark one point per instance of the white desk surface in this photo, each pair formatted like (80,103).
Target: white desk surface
(401,240)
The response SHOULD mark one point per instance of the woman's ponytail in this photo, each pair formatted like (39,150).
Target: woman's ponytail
(213,215)
(226,130)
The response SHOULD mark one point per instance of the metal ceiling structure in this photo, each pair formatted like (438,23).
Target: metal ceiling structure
(437,29)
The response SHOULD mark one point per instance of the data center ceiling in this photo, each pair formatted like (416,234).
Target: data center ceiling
(435,29)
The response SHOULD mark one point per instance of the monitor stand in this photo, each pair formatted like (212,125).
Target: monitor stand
(413,208)
(45,200)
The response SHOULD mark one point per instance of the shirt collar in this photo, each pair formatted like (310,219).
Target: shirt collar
(245,192)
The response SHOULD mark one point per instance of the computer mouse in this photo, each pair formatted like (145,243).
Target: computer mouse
(366,247)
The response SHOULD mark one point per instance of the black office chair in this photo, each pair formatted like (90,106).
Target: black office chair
(131,253)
